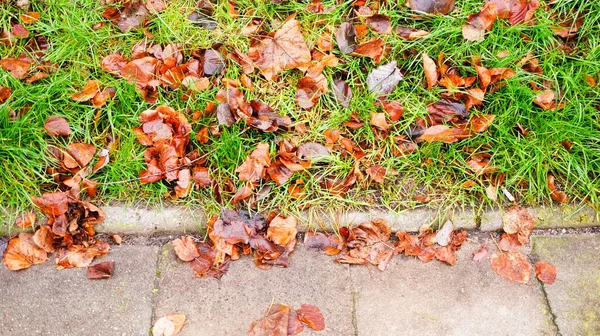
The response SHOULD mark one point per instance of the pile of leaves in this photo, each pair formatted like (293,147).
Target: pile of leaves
(511,264)
(151,66)
(270,240)
(166,132)
(369,243)
(280,320)
(68,224)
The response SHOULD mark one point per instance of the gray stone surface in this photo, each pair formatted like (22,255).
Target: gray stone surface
(228,306)
(415,298)
(42,300)
(566,216)
(407,220)
(575,296)
(121,219)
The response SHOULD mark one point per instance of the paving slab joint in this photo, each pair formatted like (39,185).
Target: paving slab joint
(354,298)
(533,258)
(156,286)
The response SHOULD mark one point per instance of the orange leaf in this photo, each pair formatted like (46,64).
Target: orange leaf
(546,272)
(186,248)
(22,252)
(311,316)
(512,266)
(431,71)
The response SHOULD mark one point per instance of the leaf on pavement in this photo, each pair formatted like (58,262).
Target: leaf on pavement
(186,248)
(384,79)
(518,220)
(546,272)
(275,322)
(103,270)
(169,325)
(512,266)
(282,230)
(22,252)
(44,238)
(80,255)
(311,316)
(481,254)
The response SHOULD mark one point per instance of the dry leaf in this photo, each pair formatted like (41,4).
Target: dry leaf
(512,266)
(546,272)
(103,270)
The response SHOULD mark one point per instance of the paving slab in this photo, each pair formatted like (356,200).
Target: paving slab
(575,296)
(44,301)
(228,306)
(566,216)
(415,298)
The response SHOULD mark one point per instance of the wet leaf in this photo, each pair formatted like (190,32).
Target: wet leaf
(103,270)
(431,71)
(89,90)
(512,266)
(274,323)
(439,133)
(518,220)
(285,50)
(384,79)
(282,230)
(379,23)
(169,325)
(373,49)
(22,252)
(556,195)
(546,272)
(479,23)
(52,204)
(311,316)
(346,38)
(186,248)
(432,6)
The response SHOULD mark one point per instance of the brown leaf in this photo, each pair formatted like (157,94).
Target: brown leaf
(522,11)
(384,79)
(311,151)
(431,71)
(132,16)
(308,92)
(275,322)
(30,17)
(447,110)
(439,133)
(512,266)
(379,23)
(346,38)
(480,123)
(44,238)
(342,92)
(311,316)
(80,256)
(156,5)
(518,220)
(546,100)
(410,34)
(282,230)
(479,23)
(168,325)
(556,195)
(377,173)
(81,153)
(294,325)
(113,63)
(253,169)
(18,67)
(117,239)
(89,90)
(103,270)
(213,62)
(378,120)
(5,93)
(52,204)
(442,7)
(22,252)
(373,49)
(546,272)
(140,71)
(509,243)
(186,248)
(26,220)
(285,50)
(446,255)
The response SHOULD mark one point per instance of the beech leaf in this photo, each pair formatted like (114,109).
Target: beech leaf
(384,79)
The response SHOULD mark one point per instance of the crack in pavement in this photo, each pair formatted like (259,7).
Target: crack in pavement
(354,298)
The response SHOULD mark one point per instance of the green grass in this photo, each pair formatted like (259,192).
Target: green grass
(436,169)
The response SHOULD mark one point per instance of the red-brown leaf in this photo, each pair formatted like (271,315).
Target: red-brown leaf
(556,195)
(311,316)
(22,252)
(512,266)
(379,23)
(275,322)
(52,204)
(432,6)
(479,23)
(546,272)
(89,90)
(186,248)
(103,270)
(431,71)
(56,125)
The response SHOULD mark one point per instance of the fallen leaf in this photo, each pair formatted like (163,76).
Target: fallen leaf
(168,325)
(213,62)
(282,230)
(442,7)
(18,67)
(22,252)
(410,34)
(308,92)
(512,266)
(346,38)
(509,243)
(446,255)
(89,90)
(431,71)
(311,151)
(522,11)
(103,270)
(480,123)
(342,92)
(379,23)
(384,79)
(546,272)
(518,220)
(274,323)
(52,204)
(5,93)
(377,173)
(479,23)
(556,195)
(447,110)
(285,50)
(546,99)
(311,316)
(81,153)
(117,239)
(373,49)
(132,16)
(439,133)
(30,17)
(379,121)
(26,220)
(480,254)
(44,238)
(79,255)
(186,248)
